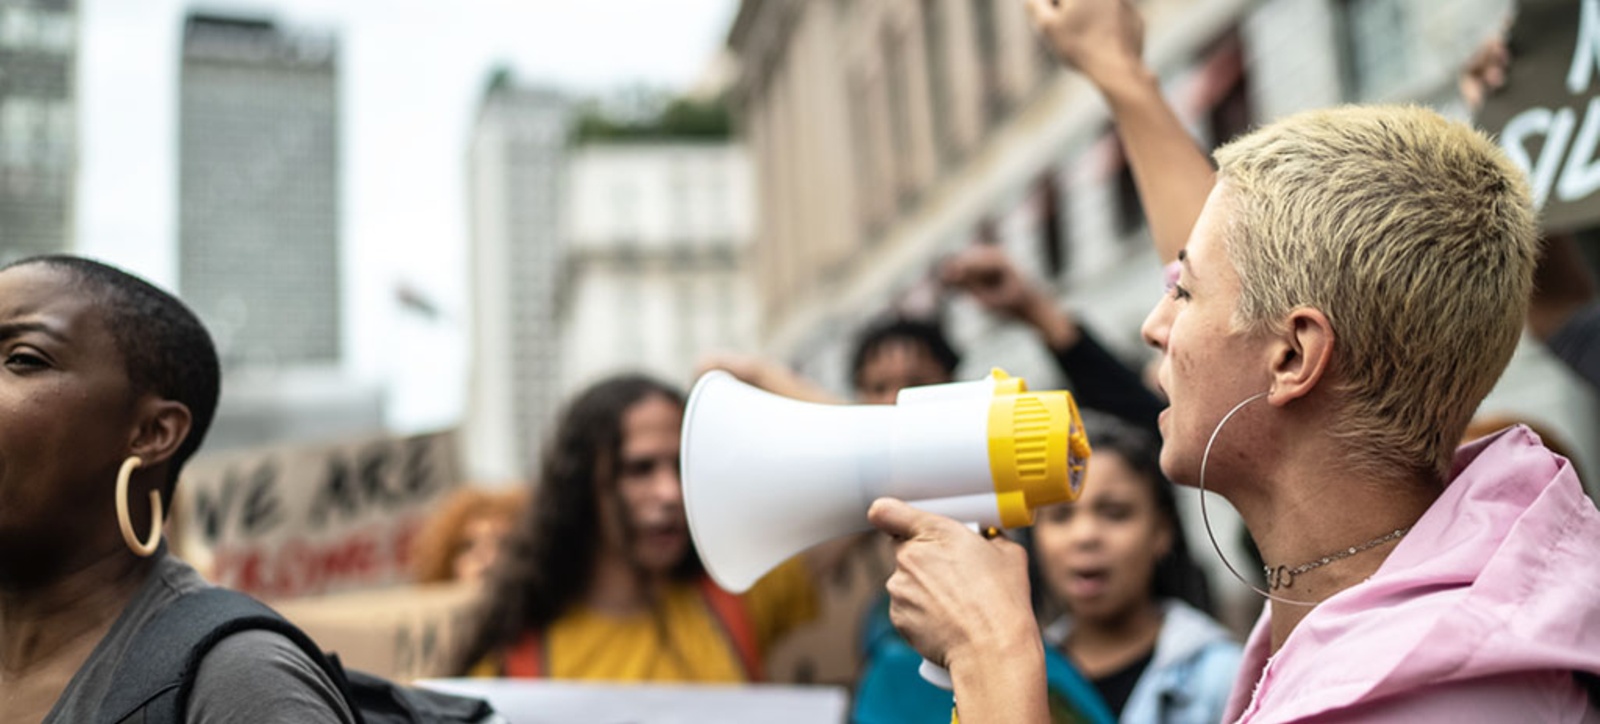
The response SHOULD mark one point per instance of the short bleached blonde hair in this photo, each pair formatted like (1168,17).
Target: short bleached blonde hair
(1415,235)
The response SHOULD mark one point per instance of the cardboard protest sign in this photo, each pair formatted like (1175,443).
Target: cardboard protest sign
(1547,117)
(406,633)
(303,520)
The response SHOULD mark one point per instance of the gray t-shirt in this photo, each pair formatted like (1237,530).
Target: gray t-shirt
(250,677)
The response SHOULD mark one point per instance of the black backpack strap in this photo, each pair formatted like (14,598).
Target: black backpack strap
(159,669)
(384,702)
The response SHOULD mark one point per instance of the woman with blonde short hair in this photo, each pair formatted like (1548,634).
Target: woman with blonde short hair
(1354,286)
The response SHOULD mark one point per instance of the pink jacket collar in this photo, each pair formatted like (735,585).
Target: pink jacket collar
(1500,576)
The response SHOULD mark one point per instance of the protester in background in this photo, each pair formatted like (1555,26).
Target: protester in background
(1133,606)
(463,540)
(107,387)
(1564,311)
(1392,564)
(601,580)
(1100,381)
(898,353)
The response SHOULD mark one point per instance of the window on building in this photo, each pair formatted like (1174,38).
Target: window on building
(23,126)
(1375,36)
(1130,209)
(896,72)
(1229,115)
(626,225)
(18,27)
(842,9)
(54,31)
(868,180)
(1052,224)
(26,28)
(715,213)
(60,134)
(683,227)
(933,25)
(988,41)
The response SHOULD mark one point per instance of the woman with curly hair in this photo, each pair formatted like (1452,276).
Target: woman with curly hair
(601,580)
(463,541)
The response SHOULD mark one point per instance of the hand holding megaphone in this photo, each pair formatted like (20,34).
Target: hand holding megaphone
(935,556)
(765,477)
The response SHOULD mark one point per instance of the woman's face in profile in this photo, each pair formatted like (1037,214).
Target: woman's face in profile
(1207,365)
(66,418)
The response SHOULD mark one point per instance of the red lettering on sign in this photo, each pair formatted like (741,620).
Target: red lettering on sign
(362,558)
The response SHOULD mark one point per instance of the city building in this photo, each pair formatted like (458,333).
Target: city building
(515,172)
(38,126)
(258,189)
(656,271)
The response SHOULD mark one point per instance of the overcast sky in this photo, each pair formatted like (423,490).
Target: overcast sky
(412,72)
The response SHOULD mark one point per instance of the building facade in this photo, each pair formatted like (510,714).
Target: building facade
(515,174)
(258,190)
(38,126)
(888,133)
(656,275)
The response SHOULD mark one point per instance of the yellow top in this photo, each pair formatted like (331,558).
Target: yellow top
(681,641)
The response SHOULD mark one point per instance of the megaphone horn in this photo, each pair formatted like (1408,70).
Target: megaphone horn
(766,477)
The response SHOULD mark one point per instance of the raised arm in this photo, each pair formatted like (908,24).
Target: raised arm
(1100,381)
(1104,39)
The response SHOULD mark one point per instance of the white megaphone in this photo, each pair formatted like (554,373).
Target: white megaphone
(766,477)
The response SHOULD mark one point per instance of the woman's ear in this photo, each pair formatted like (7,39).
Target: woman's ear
(1301,355)
(163,425)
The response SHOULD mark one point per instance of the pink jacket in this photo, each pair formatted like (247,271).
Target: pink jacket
(1482,613)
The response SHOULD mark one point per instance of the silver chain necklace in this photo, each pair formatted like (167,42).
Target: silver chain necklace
(1283,576)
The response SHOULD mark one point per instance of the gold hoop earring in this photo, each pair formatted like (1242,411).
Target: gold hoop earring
(124,521)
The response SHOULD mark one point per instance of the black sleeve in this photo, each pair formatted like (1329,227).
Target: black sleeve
(1101,382)
(1577,343)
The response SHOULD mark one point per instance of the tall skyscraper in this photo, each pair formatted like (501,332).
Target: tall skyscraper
(38,125)
(516,163)
(258,189)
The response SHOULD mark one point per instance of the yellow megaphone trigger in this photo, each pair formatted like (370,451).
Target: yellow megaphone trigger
(1038,450)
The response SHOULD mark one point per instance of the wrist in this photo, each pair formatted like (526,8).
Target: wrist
(1001,681)
(1128,85)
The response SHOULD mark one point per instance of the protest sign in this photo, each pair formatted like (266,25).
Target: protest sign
(1547,117)
(311,519)
(404,633)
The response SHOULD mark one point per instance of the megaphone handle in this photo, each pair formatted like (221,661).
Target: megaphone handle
(937,675)
(933,673)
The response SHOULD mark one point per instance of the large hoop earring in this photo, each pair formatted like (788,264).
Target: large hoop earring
(125,522)
(1206,518)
